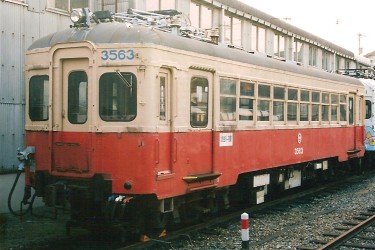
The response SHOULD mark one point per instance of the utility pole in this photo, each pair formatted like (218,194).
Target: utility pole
(360,50)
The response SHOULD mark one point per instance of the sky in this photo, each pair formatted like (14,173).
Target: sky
(336,21)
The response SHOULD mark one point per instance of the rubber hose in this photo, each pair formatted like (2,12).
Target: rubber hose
(10,198)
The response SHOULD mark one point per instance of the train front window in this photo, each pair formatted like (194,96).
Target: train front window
(77,97)
(118,96)
(38,98)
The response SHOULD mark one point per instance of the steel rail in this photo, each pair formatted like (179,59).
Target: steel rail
(338,241)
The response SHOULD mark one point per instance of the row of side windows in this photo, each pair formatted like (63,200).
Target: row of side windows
(259,101)
(239,100)
(263,102)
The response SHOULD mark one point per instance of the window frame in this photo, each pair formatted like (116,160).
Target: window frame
(279,46)
(134,84)
(243,112)
(278,100)
(228,116)
(335,104)
(368,113)
(45,107)
(75,100)
(263,99)
(307,102)
(258,38)
(325,104)
(196,120)
(292,100)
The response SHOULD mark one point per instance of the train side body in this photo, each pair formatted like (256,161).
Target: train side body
(160,145)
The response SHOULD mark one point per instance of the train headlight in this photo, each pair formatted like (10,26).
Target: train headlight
(81,17)
(77,16)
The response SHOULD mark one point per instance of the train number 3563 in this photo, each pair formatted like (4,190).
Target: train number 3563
(298,151)
(115,54)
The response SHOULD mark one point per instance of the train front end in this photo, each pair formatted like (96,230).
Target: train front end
(89,145)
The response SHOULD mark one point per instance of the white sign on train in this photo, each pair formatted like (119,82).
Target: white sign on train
(226,139)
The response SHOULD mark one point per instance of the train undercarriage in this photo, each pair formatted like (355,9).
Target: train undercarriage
(92,204)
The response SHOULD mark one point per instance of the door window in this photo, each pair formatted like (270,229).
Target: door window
(351,110)
(199,102)
(163,96)
(77,97)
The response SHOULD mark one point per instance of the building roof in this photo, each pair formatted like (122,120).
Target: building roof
(263,18)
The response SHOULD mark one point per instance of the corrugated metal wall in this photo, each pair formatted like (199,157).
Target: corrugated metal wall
(20,25)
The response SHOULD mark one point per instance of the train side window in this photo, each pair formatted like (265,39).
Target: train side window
(334,107)
(278,103)
(368,109)
(292,104)
(163,95)
(199,102)
(38,98)
(118,97)
(77,97)
(263,104)
(343,107)
(325,107)
(228,100)
(246,109)
(304,111)
(351,110)
(315,99)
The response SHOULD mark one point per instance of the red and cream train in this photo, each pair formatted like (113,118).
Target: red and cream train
(136,126)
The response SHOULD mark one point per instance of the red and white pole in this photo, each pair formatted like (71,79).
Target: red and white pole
(245,230)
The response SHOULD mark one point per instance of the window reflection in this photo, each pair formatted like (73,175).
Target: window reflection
(258,39)
(227,100)
(200,16)
(118,96)
(38,98)
(246,101)
(77,97)
(199,102)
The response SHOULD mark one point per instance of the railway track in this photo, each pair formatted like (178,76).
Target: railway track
(214,227)
(281,204)
(358,234)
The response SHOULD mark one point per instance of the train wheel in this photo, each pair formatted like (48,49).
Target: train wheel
(157,224)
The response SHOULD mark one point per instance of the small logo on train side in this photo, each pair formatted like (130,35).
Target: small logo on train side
(299,150)
(114,54)
(299,138)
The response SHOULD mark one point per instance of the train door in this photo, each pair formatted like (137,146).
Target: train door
(201,137)
(163,143)
(71,141)
(353,117)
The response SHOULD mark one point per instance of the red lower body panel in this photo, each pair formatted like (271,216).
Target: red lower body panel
(157,163)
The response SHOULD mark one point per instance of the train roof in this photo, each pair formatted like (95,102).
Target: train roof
(123,33)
